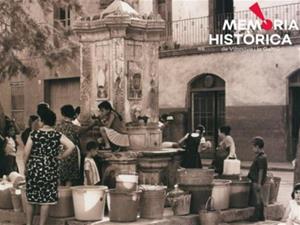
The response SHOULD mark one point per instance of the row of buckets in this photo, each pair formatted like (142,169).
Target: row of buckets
(226,193)
(87,203)
(129,199)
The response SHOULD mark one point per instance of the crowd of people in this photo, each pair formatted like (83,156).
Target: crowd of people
(53,154)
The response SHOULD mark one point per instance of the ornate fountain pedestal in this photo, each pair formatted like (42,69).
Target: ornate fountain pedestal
(144,138)
(153,164)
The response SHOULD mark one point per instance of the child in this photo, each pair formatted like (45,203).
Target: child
(91,174)
(292,213)
(258,174)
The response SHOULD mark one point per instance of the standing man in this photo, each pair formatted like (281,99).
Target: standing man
(258,174)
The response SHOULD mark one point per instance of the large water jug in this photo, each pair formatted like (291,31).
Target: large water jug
(232,167)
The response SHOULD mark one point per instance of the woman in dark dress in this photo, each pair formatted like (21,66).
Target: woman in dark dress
(42,159)
(192,143)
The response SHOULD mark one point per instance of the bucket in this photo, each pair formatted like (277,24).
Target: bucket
(5,195)
(199,195)
(89,202)
(64,206)
(152,201)
(239,193)
(221,193)
(181,205)
(16,199)
(123,205)
(126,182)
(195,176)
(209,216)
(274,189)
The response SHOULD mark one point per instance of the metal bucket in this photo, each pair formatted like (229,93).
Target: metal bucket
(195,176)
(123,205)
(199,195)
(152,201)
(274,189)
(239,193)
(181,204)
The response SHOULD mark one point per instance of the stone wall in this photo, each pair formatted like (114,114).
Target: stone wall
(256,89)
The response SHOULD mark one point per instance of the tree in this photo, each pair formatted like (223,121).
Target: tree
(21,34)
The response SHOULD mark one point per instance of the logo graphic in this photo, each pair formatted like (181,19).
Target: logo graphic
(266,24)
(255,32)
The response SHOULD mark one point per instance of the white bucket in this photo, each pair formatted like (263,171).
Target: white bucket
(89,202)
(221,193)
(126,182)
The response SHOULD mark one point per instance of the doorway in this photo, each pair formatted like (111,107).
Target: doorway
(294,115)
(59,92)
(208,104)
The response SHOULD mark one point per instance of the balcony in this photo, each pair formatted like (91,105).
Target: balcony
(194,32)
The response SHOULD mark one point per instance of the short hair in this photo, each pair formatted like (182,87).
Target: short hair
(296,188)
(41,107)
(201,128)
(32,118)
(48,117)
(77,110)
(258,141)
(91,145)
(67,111)
(225,130)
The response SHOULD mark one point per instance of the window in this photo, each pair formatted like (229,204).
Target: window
(17,102)
(62,16)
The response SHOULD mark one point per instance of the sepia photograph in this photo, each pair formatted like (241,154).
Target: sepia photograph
(150,112)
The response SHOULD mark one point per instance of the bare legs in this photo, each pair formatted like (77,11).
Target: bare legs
(29,213)
(105,138)
(43,215)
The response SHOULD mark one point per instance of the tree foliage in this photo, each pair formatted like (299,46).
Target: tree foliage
(21,34)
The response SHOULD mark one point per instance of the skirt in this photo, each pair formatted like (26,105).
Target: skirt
(117,138)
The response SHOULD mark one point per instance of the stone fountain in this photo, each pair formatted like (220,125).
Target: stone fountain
(119,62)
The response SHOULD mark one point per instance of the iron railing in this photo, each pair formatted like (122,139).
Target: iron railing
(195,31)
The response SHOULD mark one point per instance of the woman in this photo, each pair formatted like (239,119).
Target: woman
(193,143)
(70,171)
(41,158)
(226,149)
(69,168)
(292,214)
(113,129)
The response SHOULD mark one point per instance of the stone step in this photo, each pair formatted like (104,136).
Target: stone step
(273,212)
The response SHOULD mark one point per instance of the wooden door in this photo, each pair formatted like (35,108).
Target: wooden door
(62,91)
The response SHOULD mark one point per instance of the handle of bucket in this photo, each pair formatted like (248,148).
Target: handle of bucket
(209,206)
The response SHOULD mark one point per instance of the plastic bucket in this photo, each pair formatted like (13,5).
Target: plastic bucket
(181,205)
(126,182)
(5,196)
(16,199)
(152,201)
(200,195)
(64,206)
(221,194)
(123,206)
(274,189)
(89,202)
(195,176)
(239,193)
